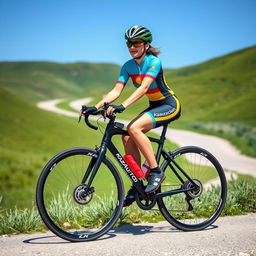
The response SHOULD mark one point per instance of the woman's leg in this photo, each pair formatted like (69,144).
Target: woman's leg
(152,117)
(137,129)
(138,141)
(131,148)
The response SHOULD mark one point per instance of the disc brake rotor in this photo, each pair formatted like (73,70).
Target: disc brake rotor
(195,192)
(80,196)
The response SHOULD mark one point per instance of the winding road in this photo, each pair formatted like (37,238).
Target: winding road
(229,157)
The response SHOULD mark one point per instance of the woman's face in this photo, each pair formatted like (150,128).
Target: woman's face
(137,51)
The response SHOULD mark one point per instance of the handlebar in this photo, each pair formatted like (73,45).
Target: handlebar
(102,112)
(86,119)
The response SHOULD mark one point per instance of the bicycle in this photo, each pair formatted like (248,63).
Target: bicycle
(80,191)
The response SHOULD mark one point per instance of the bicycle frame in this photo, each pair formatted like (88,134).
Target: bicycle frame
(115,128)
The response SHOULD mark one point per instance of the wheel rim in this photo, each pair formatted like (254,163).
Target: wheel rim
(200,207)
(68,213)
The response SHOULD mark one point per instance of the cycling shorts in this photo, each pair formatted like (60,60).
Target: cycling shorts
(164,111)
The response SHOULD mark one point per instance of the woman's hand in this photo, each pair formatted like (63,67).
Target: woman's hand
(115,109)
(87,110)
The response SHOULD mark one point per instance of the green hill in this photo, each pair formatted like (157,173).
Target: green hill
(222,89)
(37,81)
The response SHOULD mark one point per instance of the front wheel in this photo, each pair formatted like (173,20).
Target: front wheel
(67,207)
(200,207)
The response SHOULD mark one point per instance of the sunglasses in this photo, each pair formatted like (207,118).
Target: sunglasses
(136,44)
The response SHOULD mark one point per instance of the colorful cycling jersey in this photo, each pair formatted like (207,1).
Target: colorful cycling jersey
(150,67)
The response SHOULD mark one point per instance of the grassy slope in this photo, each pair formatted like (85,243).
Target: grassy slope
(37,81)
(222,89)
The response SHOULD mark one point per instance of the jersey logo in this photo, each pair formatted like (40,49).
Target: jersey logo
(138,80)
(153,67)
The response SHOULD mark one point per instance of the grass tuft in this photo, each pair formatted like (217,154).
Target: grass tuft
(240,200)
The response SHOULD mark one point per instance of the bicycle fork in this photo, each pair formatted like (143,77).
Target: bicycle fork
(94,166)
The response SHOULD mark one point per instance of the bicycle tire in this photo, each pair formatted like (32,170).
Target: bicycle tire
(66,213)
(207,202)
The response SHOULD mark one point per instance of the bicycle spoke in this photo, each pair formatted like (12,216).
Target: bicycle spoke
(65,207)
(199,207)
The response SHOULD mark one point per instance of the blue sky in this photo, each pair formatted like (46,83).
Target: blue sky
(187,32)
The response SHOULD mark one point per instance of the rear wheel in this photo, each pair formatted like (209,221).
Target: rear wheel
(68,207)
(200,207)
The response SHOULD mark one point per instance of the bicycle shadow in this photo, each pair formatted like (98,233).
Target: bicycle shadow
(137,229)
(129,229)
(53,239)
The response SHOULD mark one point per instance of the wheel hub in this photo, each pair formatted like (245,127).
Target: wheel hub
(81,196)
(195,192)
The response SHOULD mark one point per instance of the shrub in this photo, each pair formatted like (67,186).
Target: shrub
(242,135)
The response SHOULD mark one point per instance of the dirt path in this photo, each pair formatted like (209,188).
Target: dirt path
(228,155)
(228,236)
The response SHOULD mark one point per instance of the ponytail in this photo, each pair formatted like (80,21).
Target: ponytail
(154,51)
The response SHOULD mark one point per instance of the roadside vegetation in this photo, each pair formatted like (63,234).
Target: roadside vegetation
(240,200)
(243,136)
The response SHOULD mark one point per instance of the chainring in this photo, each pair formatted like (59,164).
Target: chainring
(144,204)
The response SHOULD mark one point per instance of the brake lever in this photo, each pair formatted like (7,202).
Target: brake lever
(105,107)
(79,118)
(81,112)
(104,115)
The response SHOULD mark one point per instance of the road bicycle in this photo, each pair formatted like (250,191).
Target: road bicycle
(80,191)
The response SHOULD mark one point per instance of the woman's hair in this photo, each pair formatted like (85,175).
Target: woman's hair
(154,51)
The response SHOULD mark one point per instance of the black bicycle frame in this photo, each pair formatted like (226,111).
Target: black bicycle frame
(115,128)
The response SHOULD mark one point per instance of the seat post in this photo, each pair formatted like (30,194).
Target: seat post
(164,131)
(161,144)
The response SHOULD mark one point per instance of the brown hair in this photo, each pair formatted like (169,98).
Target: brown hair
(154,51)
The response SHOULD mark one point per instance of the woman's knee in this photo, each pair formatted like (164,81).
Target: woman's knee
(133,129)
(138,127)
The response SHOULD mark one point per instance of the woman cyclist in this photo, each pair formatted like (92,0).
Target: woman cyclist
(146,73)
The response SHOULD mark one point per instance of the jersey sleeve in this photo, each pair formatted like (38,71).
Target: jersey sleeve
(124,76)
(154,68)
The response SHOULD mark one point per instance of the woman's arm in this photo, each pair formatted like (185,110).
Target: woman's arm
(112,95)
(147,81)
